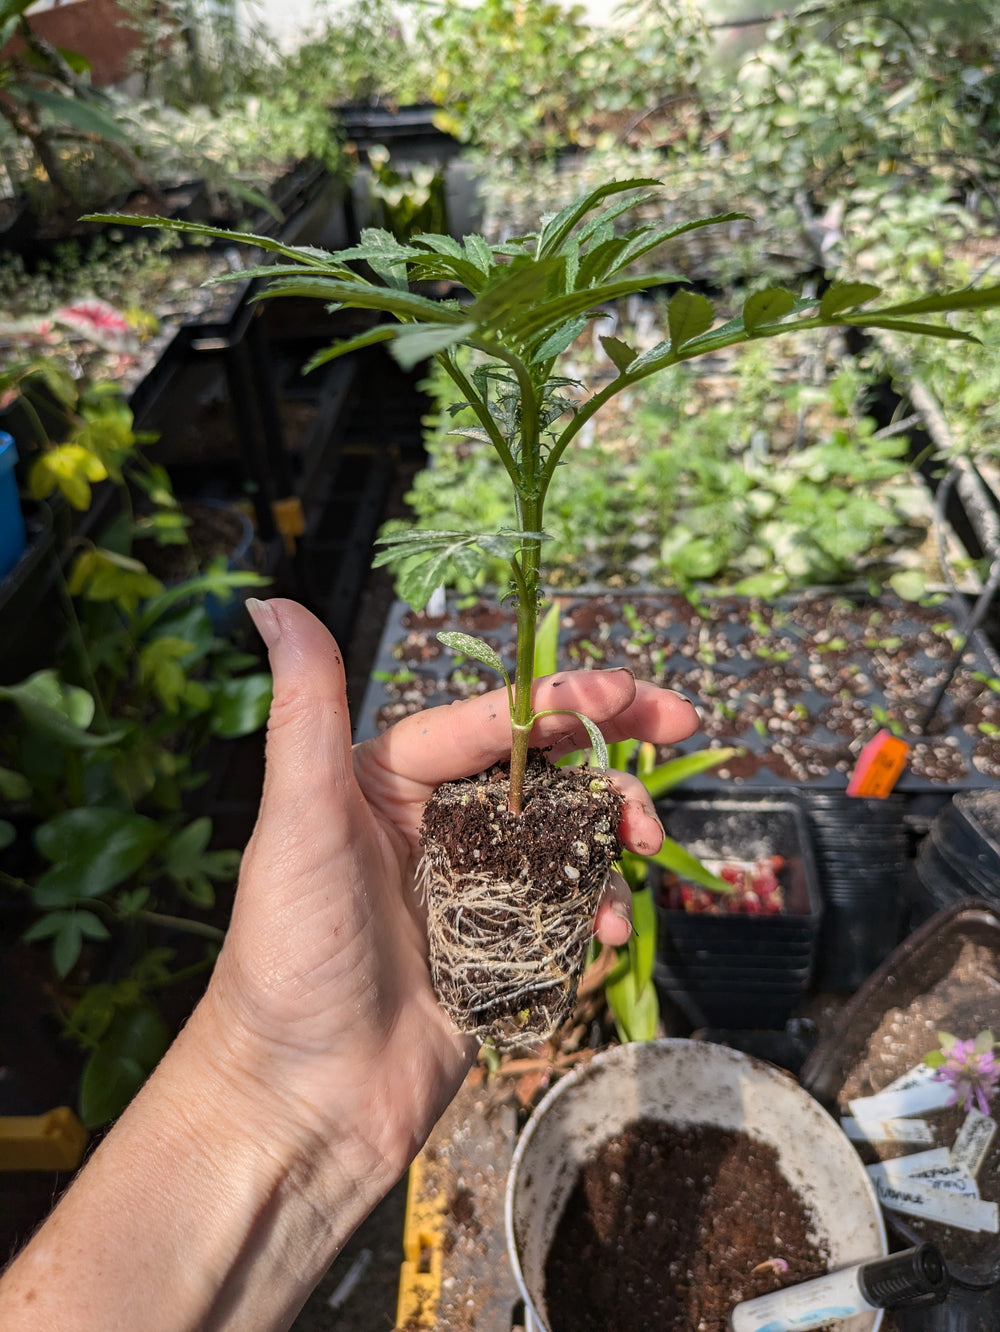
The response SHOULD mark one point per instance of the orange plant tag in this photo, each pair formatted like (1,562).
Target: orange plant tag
(879,766)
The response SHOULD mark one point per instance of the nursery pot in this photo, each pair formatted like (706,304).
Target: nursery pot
(684,1084)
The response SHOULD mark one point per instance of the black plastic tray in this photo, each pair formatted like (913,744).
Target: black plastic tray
(408,643)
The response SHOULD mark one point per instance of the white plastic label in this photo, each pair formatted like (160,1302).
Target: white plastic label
(974,1140)
(911,1198)
(887,1130)
(914,1077)
(911,1100)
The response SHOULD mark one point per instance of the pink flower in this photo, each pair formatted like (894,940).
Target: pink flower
(970,1067)
(98,322)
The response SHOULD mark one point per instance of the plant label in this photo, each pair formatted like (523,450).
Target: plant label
(879,767)
(950,1209)
(915,1077)
(951,1178)
(887,1130)
(911,1100)
(974,1140)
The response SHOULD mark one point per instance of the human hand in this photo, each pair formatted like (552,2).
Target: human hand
(322,988)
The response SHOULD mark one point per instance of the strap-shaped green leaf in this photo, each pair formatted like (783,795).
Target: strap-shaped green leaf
(547,641)
(364,296)
(597,741)
(670,774)
(673,856)
(75,112)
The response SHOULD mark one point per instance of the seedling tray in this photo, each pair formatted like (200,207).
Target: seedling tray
(800,683)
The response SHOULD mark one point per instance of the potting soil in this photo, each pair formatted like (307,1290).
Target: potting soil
(669,1228)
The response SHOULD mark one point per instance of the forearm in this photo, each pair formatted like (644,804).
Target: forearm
(203,1209)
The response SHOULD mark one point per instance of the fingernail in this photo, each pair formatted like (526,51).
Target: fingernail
(622,912)
(684,699)
(265,620)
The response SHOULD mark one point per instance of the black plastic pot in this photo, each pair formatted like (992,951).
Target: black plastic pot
(732,970)
(960,856)
(862,860)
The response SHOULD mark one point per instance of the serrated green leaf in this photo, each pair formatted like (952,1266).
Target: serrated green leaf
(619,352)
(336,349)
(474,648)
(945,302)
(907,326)
(414,343)
(539,317)
(845,296)
(306,254)
(767,307)
(558,228)
(517,288)
(559,340)
(689,314)
(597,741)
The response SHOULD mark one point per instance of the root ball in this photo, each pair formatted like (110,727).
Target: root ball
(511,899)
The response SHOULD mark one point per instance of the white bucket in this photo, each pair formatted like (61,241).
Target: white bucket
(685,1082)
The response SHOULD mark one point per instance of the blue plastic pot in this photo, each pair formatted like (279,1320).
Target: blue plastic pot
(12,535)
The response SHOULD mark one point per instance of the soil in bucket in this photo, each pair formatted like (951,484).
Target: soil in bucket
(670,1226)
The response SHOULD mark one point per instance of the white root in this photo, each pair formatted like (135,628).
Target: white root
(543,944)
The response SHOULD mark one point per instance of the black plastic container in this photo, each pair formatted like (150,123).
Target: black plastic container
(732,970)
(960,856)
(862,859)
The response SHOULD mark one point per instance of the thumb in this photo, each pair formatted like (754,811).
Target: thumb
(308,772)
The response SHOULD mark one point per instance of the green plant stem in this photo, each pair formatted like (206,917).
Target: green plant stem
(199,927)
(483,412)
